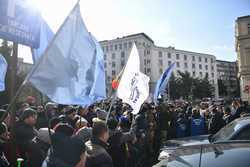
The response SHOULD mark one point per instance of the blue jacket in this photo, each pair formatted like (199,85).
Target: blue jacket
(197,126)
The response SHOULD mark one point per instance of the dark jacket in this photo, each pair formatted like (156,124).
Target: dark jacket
(3,160)
(97,156)
(215,123)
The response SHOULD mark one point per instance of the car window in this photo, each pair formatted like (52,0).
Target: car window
(226,132)
(244,134)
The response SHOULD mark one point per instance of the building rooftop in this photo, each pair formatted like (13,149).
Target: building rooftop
(132,35)
(223,61)
(243,17)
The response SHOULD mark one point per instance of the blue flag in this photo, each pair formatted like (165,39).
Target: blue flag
(162,82)
(3,70)
(67,72)
(46,35)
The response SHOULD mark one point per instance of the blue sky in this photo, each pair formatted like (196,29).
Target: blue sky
(205,26)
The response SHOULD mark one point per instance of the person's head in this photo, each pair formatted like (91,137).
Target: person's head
(81,122)
(112,124)
(40,109)
(100,131)
(31,100)
(64,128)
(227,110)
(70,112)
(29,116)
(195,113)
(51,107)
(4,134)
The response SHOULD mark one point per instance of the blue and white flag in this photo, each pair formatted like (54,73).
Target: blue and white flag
(162,82)
(67,72)
(133,88)
(46,35)
(3,71)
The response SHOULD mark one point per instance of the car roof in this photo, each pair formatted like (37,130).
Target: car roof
(243,120)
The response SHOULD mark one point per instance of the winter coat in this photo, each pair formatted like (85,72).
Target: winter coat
(197,126)
(97,156)
(215,123)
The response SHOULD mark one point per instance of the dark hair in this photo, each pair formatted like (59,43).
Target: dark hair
(227,110)
(98,129)
(54,121)
(112,124)
(64,128)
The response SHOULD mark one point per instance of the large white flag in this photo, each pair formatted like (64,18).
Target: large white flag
(133,87)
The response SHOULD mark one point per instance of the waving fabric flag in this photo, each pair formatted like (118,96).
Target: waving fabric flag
(3,70)
(46,35)
(71,70)
(133,88)
(162,82)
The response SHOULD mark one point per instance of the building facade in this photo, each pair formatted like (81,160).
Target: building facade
(242,46)
(227,78)
(154,60)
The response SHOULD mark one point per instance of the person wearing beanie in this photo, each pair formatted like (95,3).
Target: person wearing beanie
(4,137)
(70,116)
(97,155)
(26,133)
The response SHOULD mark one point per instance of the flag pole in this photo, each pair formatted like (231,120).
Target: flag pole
(34,68)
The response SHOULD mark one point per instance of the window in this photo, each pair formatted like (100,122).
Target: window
(185,57)
(199,59)
(105,65)
(193,58)
(122,63)
(111,47)
(145,62)
(145,53)
(248,27)
(160,71)
(113,64)
(212,60)
(169,55)
(123,55)
(145,70)
(177,56)
(105,57)
(125,45)
(160,62)
(113,72)
(103,49)
(212,67)
(148,70)
(212,74)
(193,73)
(160,54)
(193,65)
(206,60)
(120,46)
(169,63)
(148,52)
(200,66)
(115,47)
(200,74)
(108,78)
(185,65)
(148,61)
(243,134)
(206,67)
(130,44)
(113,56)
(178,64)
(107,48)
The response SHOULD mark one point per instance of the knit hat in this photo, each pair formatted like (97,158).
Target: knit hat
(84,133)
(68,149)
(27,113)
(64,129)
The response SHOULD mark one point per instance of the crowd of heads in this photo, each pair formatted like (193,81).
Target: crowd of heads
(67,135)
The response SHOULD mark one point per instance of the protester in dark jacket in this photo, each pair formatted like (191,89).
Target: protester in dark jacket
(182,126)
(97,155)
(197,124)
(216,122)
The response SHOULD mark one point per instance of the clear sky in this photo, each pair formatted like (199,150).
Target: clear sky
(205,26)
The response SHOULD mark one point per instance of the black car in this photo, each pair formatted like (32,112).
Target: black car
(238,129)
(226,154)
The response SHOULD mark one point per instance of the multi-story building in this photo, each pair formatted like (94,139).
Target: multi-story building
(242,45)
(227,74)
(154,59)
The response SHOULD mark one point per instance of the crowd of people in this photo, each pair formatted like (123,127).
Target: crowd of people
(53,135)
